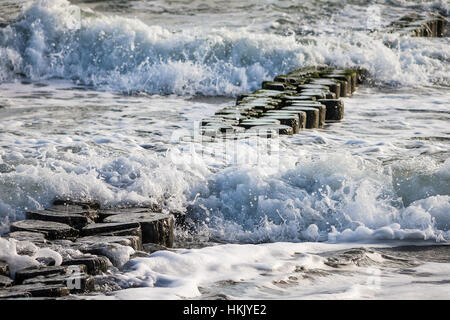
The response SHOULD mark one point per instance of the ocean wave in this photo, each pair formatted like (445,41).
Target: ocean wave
(54,39)
(289,270)
(350,200)
(325,197)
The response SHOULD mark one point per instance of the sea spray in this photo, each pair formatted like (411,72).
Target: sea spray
(54,39)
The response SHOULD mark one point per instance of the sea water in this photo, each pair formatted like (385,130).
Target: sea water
(101,100)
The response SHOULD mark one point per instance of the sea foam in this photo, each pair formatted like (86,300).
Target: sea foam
(54,39)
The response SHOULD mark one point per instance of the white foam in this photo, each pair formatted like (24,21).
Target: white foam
(303,197)
(377,176)
(8,253)
(49,253)
(57,39)
(118,254)
(281,270)
(175,275)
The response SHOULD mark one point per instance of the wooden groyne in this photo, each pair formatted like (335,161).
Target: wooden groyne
(307,98)
(88,237)
(92,235)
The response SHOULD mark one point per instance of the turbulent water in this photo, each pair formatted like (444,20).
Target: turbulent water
(98,100)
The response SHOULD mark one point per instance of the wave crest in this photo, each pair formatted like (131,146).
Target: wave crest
(54,39)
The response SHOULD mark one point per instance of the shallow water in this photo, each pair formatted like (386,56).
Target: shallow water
(98,101)
(288,271)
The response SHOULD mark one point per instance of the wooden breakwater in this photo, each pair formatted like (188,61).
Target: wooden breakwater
(420,25)
(307,98)
(87,238)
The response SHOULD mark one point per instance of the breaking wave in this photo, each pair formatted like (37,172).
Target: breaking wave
(54,39)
